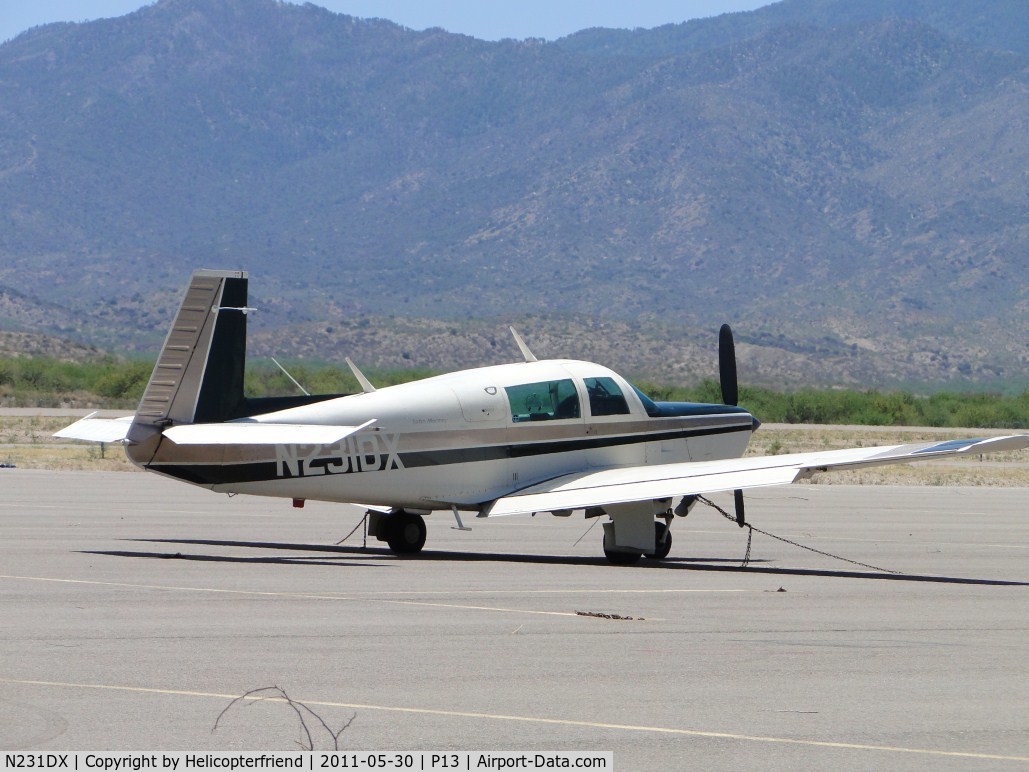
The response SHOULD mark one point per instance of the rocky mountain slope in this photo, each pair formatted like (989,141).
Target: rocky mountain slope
(843,180)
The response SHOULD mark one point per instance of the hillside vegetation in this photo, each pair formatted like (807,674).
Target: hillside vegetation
(117,384)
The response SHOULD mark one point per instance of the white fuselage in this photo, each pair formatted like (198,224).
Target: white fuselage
(463,439)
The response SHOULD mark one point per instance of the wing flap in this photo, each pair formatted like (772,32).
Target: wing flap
(93,429)
(641,483)
(256,433)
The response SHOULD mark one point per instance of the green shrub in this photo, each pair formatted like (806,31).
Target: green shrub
(120,383)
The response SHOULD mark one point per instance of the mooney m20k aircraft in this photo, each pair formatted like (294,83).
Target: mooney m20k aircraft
(532,437)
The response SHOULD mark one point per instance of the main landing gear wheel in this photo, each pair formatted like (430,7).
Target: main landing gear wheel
(662,542)
(617,557)
(406,534)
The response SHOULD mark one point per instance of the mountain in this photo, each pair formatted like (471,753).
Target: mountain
(845,182)
(999,24)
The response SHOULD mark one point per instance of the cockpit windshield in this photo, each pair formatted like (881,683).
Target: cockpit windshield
(681,409)
(648,404)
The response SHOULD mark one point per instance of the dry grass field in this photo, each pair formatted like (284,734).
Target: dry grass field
(26,442)
(998,469)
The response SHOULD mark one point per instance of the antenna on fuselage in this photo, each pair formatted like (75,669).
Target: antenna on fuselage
(366,385)
(529,356)
(295,381)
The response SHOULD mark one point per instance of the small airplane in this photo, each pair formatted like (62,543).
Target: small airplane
(554,436)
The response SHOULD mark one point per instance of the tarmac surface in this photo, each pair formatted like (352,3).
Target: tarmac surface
(134,609)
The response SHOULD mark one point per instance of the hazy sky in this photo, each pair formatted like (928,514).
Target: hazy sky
(486,19)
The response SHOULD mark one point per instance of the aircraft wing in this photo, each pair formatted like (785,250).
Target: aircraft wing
(642,483)
(97,429)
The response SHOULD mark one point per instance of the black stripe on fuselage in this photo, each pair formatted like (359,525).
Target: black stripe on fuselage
(259,471)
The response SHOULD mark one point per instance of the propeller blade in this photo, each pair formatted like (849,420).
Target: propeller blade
(740,519)
(727,366)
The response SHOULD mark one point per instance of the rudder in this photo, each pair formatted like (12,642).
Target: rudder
(198,377)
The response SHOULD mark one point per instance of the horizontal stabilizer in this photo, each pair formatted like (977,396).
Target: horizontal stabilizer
(93,429)
(646,483)
(255,433)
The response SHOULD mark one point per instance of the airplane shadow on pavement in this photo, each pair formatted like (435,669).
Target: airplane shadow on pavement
(382,553)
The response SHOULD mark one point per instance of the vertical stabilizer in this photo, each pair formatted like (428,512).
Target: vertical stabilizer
(198,377)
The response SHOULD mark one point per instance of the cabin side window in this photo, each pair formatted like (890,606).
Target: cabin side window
(605,397)
(544,401)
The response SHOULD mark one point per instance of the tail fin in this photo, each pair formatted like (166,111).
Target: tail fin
(198,377)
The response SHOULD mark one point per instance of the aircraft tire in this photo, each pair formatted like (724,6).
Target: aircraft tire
(662,543)
(406,534)
(619,558)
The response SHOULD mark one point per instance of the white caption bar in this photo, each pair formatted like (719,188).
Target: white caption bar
(310,760)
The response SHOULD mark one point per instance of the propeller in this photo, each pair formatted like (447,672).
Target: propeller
(727,366)
(730,393)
